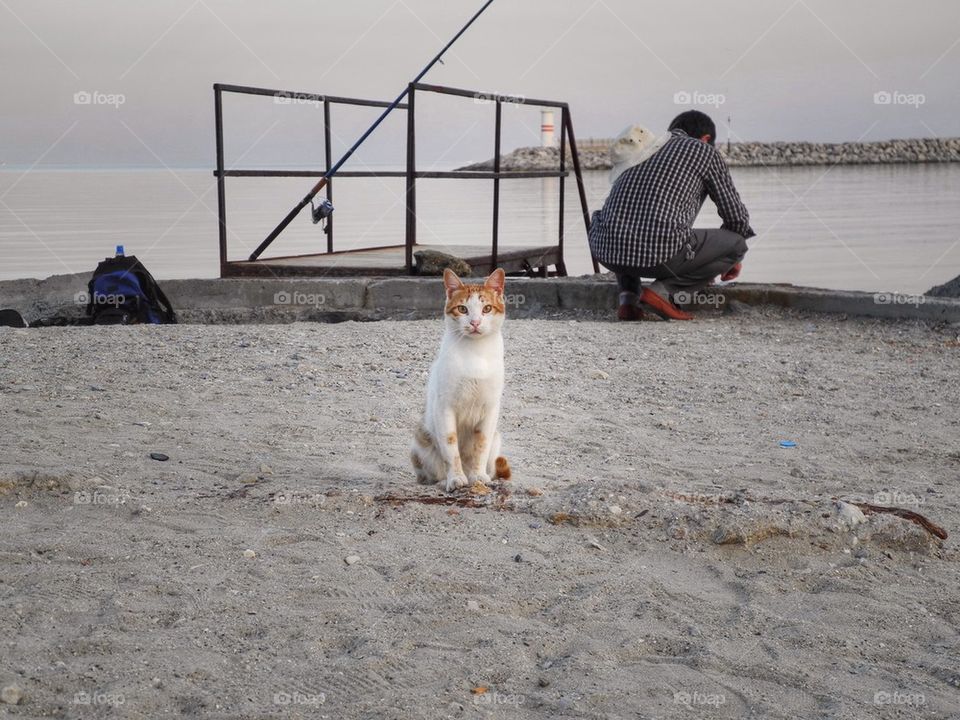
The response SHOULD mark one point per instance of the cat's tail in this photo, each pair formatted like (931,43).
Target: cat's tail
(502,468)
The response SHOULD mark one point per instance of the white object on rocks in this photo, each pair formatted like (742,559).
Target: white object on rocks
(634,145)
(248,553)
(615,510)
(849,516)
(21,504)
(599,375)
(351,559)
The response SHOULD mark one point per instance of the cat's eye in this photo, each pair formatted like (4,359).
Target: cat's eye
(487,309)
(462,309)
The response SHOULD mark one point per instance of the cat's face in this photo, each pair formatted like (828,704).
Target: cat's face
(474,311)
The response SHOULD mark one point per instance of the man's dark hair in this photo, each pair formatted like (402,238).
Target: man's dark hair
(695,124)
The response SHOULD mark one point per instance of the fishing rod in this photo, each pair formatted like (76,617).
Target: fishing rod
(325,208)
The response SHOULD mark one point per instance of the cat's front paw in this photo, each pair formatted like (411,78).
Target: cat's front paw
(455,481)
(478,477)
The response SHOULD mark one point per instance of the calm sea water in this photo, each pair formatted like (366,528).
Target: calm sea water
(892,228)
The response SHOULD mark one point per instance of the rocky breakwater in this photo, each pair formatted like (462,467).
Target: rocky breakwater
(541,158)
(925,150)
(757,154)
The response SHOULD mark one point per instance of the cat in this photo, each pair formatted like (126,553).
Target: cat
(634,145)
(458,441)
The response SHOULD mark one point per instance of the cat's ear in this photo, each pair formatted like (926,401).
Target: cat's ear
(496,281)
(451,282)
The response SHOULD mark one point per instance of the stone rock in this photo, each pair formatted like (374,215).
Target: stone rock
(595,544)
(849,516)
(11,695)
(351,559)
(950,289)
(249,554)
(430,262)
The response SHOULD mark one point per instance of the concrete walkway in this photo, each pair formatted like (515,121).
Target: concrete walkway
(337,299)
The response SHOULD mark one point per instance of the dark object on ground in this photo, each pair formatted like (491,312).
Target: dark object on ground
(629,312)
(950,289)
(159,456)
(431,262)
(910,515)
(11,318)
(123,292)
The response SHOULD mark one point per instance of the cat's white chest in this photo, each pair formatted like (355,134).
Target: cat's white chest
(478,366)
(468,375)
(476,360)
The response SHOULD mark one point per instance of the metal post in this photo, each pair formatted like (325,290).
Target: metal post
(568,128)
(496,186)
(327,154)
(411,235)
(221,180)
(561,265)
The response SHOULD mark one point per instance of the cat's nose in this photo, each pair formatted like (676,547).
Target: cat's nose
(475,323)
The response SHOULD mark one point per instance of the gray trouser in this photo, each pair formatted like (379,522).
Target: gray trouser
(708,253)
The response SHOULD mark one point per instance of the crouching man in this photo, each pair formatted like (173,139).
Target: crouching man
(645,229)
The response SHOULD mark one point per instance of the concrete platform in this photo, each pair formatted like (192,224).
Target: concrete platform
(391,261)
(260,300)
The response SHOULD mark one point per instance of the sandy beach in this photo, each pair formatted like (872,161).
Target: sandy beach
(657,554)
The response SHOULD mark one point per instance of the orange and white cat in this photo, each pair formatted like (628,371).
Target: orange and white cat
(458,441)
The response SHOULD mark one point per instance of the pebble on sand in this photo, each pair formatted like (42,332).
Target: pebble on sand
(248,553)
(351,559)
(595,544)
(849,516)
(11,695)
(21,504)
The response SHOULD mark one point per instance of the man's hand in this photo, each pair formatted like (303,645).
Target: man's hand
(733,273)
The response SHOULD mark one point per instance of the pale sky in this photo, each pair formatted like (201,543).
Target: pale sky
(783,69)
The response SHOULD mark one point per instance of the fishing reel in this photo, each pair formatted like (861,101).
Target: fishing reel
(321,211)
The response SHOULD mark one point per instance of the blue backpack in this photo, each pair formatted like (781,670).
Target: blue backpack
(123,292)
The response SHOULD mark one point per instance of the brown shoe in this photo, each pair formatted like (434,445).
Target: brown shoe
(663,307)
(629,309)
(630,312)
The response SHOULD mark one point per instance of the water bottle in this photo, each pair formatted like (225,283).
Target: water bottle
(119,250)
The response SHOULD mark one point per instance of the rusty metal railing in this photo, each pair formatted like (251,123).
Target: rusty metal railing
(411,173)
